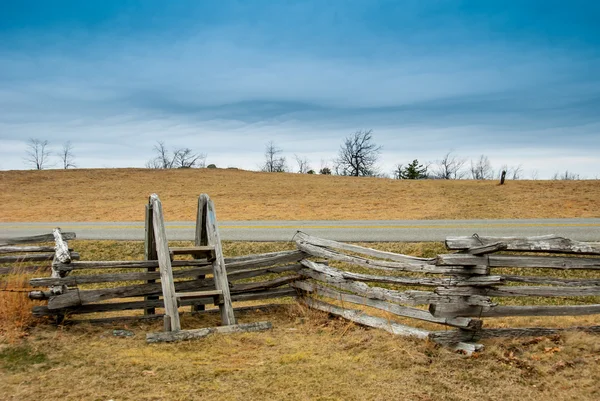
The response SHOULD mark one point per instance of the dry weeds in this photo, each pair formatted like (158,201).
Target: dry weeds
(120,195)
(307,355)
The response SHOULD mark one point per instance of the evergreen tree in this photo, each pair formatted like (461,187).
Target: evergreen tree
(413,171)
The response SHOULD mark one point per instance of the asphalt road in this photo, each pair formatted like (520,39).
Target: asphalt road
(397,230)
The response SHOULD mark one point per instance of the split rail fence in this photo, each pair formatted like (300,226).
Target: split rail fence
(455,291)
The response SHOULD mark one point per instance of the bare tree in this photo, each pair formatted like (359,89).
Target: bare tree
(179,158)
(37,153)
(274,162)
(186,158)
(397,172)
(66,156)
(450,167)
(358,155)
(303,164)
(567,175)
(482,169)
(534,174)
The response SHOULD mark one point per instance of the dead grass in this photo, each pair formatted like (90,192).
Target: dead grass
(120,195)
(307,355)
(15,306)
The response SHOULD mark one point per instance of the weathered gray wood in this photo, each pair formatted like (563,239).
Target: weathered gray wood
(521,291)
(113,319)
(321,242)
(551,280)
(198,251)
(150,251)
(263,260)
(164,261)
(534,331)
(219,270)
(201,234)
(396,309)
(201,333)
(362,318)
(549,262)
(421,267)
(451,310)
(485,249)
(80,297)
(43,310)
(243,274)
(127,264)
(151,276)
(198,294)
(545,243)
(32,257)
(61,248)
(26,249)
(333,276)
(35,239)
(114,277)
(201,239)
(419,281)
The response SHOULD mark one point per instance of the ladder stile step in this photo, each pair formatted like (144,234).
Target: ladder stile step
(198,294)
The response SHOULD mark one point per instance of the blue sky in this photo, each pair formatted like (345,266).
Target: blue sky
(518,81)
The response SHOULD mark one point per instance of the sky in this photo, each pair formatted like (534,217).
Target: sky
(517,81)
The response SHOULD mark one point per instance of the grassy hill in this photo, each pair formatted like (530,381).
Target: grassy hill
(120,195)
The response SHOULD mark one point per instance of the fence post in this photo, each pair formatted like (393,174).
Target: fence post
(149,252)
(201,238)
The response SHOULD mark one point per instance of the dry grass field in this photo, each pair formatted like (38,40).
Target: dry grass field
(306,356)
(120,195)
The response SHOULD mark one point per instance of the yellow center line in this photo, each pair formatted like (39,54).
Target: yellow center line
(299,226)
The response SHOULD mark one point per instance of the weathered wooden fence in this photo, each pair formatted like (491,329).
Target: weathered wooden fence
(85,287)
(464,288)
(455,291)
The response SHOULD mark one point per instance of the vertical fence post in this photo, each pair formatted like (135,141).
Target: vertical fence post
(164,262)
(200,238)
(149,253)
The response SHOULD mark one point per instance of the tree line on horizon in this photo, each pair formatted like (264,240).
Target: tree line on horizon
(357,156)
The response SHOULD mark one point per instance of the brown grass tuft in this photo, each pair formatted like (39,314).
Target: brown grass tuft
(15,306)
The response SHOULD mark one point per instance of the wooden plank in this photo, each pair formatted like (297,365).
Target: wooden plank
(548,262)
(451,310)
(127,264)
(35,239)
(551,280)
(201,333)
(164,261)
(362,318)
(485,249)
(521,291)
(322,273)
(114,277)
(419,281)
(263,260)
(201,238)
(198,294)
(545,243)
(80,297)
(204,250)
(43,310)
(33,257)
(321,242)
(535,331)
(150,252)
(428,267)
(26,249)
(472,324)
(61,248)
(219,270)
(243,274)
